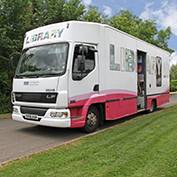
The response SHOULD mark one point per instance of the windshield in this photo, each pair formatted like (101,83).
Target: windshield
(43,61)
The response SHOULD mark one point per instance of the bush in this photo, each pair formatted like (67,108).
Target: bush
(173,85)
(5,104)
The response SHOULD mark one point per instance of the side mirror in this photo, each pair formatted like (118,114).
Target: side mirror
(93,49)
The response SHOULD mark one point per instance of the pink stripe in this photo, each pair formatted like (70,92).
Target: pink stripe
(101,93)
(81,97)
(118,91)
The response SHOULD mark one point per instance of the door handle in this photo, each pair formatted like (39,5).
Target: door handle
(96,88)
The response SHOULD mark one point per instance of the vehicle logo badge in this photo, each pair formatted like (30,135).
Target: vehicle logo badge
(50,96)
(26,83)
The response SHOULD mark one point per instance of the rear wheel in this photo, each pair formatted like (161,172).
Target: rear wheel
(92,120)
(153,106)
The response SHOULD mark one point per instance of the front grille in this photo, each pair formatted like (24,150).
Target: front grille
(36,97)
(33,111)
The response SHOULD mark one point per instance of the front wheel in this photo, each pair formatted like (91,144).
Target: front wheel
(92,120)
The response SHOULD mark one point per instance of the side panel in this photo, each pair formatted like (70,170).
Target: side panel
(161,99)
(156,70)
(118,88)
(120,104)
(123,83)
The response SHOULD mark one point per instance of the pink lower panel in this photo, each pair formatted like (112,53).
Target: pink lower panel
(161,99)
(78,116)
(122,108)
(117,105)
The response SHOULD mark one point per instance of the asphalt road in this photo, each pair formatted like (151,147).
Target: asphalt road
(21,139)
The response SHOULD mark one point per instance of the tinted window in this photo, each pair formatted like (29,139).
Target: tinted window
(158,71)
(128,60)
(43,60)
(113,65)
(83,62)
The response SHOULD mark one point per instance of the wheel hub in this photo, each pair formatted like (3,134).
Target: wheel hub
(92,119)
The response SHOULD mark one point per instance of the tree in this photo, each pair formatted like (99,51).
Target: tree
(54,11)
(93,15)
(73,10)
(13,21)
(173,72)
(145,30)
(162,38)
(125,21)
(173,78)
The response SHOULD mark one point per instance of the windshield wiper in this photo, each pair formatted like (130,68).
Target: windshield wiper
(49,74)
(36,75)
(26,76)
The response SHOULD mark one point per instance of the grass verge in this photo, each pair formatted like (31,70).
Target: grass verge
(145,146)
(5,116)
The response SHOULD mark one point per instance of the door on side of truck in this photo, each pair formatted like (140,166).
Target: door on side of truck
(83,80)
(141,80)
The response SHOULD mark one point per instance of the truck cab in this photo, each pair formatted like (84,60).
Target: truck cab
(54,75)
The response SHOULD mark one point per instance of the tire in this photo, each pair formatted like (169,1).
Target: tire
(92,120)
(153,106)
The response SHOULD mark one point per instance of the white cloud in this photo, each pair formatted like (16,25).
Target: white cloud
(173,59)
(147,13)
(87,2)
(165,15)
(107,10)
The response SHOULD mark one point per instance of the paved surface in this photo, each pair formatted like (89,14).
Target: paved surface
(173,100)
(19,139)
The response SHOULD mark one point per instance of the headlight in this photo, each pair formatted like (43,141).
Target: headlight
(62,115)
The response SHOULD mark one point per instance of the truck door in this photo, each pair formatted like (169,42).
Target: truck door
(83,81)
(141,84)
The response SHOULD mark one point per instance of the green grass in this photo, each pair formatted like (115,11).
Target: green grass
(145,146)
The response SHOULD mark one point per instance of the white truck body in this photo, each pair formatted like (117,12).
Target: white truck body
(124,75)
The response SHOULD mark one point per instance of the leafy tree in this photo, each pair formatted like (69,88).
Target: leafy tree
(145,30)
(173,78)
(125,21)
(13,23)
(162,38)
(93,15)
(73,10)
(173,72)
(54,11)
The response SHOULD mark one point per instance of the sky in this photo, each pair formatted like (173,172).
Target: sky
(164,12)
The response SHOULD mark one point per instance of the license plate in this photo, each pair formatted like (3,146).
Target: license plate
(31,117)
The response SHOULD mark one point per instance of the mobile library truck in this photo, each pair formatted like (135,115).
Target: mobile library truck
(79,74)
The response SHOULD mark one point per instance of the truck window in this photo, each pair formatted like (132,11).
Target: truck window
(128,60)
(158,71)
(152,65)
(113,65)
(83,62)
(47,60)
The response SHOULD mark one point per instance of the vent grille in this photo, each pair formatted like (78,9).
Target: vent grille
(33,111)
(36,97)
